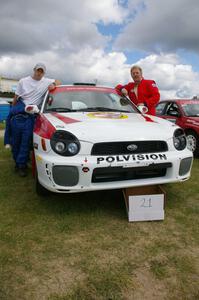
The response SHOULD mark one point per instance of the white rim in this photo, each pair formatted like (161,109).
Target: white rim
(191,142)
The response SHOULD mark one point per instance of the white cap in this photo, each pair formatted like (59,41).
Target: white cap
(40,66)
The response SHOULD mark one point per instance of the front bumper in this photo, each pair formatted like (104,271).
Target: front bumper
(88,173)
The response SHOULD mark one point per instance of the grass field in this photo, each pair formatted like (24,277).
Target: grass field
(2,125)
(82,246)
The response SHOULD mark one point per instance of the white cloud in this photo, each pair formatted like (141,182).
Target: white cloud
(86,65)
(107,11)
(161,26)
(45,25)
(64,35)
(173,78)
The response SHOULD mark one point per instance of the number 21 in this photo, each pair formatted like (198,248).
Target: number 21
(146,202)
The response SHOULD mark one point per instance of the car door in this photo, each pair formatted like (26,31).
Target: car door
(170,111)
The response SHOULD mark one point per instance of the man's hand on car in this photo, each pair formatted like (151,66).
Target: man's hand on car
(124,92)
(32,109)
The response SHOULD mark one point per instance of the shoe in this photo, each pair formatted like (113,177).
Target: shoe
(22,172)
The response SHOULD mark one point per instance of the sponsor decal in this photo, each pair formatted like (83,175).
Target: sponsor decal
(107,115)
(38,158)
(81,88)
(131,157)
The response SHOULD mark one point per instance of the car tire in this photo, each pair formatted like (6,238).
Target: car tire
(193,142)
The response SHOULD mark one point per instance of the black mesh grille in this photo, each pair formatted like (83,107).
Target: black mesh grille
(114,148)
(65,175)
(109,174)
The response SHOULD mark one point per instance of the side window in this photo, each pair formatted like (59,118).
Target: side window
(172,110)
(160,108)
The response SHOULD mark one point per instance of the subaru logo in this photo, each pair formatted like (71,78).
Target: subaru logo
(132,147)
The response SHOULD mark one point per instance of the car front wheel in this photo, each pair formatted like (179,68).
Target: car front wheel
(193,142)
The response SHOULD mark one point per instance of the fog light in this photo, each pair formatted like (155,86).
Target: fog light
(185,166)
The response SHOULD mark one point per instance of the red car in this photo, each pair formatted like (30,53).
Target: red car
(185,113)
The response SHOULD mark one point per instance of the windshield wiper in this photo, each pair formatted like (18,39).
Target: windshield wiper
(60,109)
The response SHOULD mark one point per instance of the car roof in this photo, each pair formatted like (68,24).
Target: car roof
(181,101)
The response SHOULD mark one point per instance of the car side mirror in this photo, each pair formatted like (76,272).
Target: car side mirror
(143,109)
(50,100)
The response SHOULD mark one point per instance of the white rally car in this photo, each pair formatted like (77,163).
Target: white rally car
(89,138)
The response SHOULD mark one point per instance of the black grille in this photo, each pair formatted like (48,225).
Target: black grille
(114,148)
(109,174)
(65,175)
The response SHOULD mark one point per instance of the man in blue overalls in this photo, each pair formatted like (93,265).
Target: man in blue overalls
(20,122)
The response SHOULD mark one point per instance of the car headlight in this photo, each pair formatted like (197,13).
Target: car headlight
(72,148)
(60,147)
(179,139)
(65,143)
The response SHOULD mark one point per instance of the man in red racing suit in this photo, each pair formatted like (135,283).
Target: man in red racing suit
(141,91)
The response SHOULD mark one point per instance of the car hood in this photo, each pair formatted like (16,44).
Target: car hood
(193,120)
(111,126)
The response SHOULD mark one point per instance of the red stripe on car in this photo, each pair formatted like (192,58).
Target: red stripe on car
(43,127)
(64,119)
(61,89)
(148,119)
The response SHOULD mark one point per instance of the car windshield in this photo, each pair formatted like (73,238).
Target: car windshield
(73,101)
(191,109)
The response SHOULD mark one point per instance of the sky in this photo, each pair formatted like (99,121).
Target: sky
(99,41)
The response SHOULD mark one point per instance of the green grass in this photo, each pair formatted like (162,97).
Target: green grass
(82,246)
(2,125)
